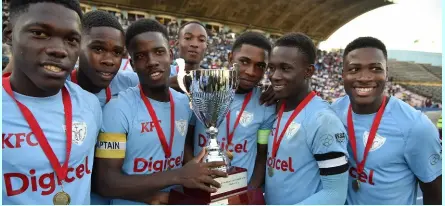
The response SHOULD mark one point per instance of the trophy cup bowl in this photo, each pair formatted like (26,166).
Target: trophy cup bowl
(211,91)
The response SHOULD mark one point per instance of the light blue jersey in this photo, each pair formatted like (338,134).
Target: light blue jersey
(406,147)
(314,144)
(255,117)
(28,177)
(122,81)
(126,66)
(127,114)
(174,69)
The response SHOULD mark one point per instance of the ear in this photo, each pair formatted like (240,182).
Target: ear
(309,71)
(230,57)
(171,55)
(7,34)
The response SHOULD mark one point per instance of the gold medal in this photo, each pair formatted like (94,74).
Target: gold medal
(270,171)
(355,185)
(229,155)
(61,198)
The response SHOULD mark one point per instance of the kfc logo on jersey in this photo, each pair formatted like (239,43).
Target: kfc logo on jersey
(292,130)
(18,140)
(245,119)
(45,184)
(181,126)
(378,141)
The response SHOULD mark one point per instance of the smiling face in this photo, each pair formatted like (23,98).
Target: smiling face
(364,75)
(252,61)
(151,59)
(192,43)
(101,54)
(289,70)
(45,44)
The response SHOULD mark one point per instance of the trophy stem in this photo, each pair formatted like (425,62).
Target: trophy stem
(214,152)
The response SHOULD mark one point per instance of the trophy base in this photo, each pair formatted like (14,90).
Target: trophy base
(233,191)
(249,197)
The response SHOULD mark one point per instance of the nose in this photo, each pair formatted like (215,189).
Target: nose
(250,70)
(275,76)
(107,61)
(151,61)
(194,43)
(56,48)
(364,75)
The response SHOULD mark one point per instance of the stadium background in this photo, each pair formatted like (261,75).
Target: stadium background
(415,77)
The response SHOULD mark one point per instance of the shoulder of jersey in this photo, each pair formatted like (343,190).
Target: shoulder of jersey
(179,97)
(77,91)
(323,110)
(402,111)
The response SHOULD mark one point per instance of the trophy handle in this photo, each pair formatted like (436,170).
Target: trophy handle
(181,74)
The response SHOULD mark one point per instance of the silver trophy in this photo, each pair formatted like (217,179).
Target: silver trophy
(211,92)
(265,83)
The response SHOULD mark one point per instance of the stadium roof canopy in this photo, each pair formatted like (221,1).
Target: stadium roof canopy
(317,18)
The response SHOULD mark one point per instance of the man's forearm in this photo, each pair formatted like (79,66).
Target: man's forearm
(113,184)
(259,170)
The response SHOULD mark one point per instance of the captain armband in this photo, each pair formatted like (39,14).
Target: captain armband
(332,163)
(111,145)
(263,135)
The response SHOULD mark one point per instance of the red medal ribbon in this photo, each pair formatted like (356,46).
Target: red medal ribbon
(277,142)
(60,169)
(6,74)
(167,148)
(372,133)
(126,64)
(243,107)
(107,91)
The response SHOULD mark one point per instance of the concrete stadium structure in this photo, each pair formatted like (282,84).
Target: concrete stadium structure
(317,18)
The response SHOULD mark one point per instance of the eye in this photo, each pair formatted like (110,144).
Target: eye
(160,52)
(74,40)
(39,34)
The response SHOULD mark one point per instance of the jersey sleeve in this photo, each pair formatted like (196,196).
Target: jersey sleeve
(115,127)
(423,151)
(133,79)
(267,125)
(329,145)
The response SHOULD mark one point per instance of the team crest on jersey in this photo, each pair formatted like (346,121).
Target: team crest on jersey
(378,141)
(181,126)
(79,132)
(246,118)
(292,130)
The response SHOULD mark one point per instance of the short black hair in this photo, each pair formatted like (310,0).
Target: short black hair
(192,22)
(144,25)
(16,7)
(252,38)
(365,42)
(301,41)
(99,18)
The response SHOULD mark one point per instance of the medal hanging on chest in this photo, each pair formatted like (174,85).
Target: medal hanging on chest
(61,170)
(159,131)
(353,142)
(230,134)
(277,139)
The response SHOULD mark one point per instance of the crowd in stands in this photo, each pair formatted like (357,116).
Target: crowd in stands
(327,80)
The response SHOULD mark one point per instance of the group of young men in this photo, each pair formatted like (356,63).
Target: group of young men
(139,131)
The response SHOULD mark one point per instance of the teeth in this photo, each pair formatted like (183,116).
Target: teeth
(278,87)
(52,68)
(105,73)
(155,74)
(363,89)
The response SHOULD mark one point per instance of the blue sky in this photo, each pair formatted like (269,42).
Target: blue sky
(414,25)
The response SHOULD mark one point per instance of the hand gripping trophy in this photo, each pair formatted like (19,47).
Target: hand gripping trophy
(211,91)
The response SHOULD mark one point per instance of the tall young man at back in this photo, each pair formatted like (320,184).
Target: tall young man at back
(246,127)
(102,50)
(50,126)
(392,146)
(192,45)
(307,156)
(147,124)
